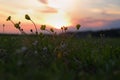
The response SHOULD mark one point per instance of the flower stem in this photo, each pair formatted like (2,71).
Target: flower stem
(35,27)
(12,22)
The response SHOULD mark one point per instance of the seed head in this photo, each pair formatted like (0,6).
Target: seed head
(9,18)
(3,25)
(65,28)
(62,28)
(31,30)
(51,30)
(17,25)
(27,17)
(78,26)
(43,27)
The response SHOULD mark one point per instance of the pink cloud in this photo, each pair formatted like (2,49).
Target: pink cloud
(44,1)
(49,10)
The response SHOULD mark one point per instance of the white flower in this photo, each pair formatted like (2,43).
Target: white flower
(62,45)
(36,52)
(45,49)
(23,49)
(35,43)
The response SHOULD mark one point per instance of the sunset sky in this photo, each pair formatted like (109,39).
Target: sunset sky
(91,14)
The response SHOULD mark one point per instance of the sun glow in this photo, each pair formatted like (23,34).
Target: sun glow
(57,20)
(61,18)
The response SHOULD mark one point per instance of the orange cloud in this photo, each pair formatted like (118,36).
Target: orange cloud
(48,9)
(44,1)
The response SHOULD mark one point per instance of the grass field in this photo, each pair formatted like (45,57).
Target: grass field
(42,57)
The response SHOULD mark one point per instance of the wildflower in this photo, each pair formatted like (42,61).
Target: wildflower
(41,34)
(51,30)
(23,49)
(27,17)
(62,45)
(45,49)
(3,25)
(21,29)
(36,52)
(17,25)
(43,27)
(35,43)
(78,26)
(62,28)
(31,30)
(9,18)
(65,28)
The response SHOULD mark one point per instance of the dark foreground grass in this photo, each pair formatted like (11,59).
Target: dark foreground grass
(59,58)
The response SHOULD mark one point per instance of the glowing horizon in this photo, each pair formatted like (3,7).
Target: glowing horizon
(95,14)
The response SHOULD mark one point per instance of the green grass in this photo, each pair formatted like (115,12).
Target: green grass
(59,58)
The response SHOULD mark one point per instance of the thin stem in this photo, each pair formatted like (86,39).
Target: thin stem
(12,22)
(18,29)
(22,31)
(35,27)
(62,30)
(3,29)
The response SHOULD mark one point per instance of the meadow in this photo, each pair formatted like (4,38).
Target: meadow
(58,57)
(44,57)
